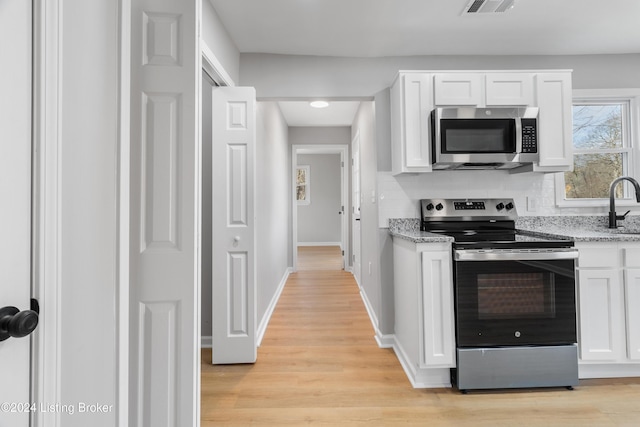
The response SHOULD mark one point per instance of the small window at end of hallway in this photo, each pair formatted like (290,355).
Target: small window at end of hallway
(303,185)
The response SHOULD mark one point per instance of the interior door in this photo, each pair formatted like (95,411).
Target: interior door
(356,201)
(165,216)
(15,202)
(233,225)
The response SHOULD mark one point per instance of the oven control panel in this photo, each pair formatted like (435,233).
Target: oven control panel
(468,205)
(453,209)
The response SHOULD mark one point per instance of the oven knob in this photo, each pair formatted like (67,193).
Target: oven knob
(517,334)
(509,206)
(500,206)
(439,207)
(430,207)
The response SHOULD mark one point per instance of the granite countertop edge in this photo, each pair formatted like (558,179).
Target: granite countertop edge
(575,228)
(421,236)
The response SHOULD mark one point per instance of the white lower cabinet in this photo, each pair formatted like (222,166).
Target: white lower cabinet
(437,309)
(424,336)
(601,315)
(609,309)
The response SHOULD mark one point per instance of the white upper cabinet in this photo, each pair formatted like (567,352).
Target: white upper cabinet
(412,102)
(555,122)
(415,94)
(483,89)
(507,89)
(462,89)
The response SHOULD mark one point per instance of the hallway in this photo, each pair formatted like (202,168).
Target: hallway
(319,364)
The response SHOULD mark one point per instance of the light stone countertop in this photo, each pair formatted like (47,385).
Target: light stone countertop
(581,228)
(575,228)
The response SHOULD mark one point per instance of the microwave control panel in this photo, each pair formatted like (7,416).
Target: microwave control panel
(529,136)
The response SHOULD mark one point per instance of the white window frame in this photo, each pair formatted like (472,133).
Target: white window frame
(630,96)
(307,184)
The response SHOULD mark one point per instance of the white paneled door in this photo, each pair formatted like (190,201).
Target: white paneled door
(15,202)
(165,221)
(233,225)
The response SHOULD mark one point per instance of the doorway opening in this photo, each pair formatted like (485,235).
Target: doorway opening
(320,201)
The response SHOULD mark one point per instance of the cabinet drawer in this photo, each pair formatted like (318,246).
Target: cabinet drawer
(631,257)
(605,256)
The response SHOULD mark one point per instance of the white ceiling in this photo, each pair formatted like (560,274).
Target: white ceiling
(377,28)
(373,28)
(338,113)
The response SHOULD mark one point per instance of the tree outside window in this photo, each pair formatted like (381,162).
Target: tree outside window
(303,185)
(601,149)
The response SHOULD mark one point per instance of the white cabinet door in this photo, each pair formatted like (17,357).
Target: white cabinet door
(411,98)
(632,310)
(515,89)
(555,132)
(453,89)
(600,313)
(437,310)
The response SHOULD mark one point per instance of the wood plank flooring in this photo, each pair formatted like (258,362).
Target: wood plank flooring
(319,258)
(320,365)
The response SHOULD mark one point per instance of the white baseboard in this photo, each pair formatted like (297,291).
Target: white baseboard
(385,340)
(206,342)
(320,244)
(262,327)
(608,370)
(372,314)
(422,377)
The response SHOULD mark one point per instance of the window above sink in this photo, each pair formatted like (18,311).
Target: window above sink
(605,144)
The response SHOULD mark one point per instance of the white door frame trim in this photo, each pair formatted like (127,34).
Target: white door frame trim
(123,219)
(47,62)
(343,150)
(47,216)
(213,67)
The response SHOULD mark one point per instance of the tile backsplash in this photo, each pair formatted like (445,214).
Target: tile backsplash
(533,193)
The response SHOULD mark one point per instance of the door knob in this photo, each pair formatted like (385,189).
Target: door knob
(16,323)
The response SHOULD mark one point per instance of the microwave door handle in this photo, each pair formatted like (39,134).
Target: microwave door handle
(518,135)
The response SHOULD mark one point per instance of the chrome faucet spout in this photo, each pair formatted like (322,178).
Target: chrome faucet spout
(613,217)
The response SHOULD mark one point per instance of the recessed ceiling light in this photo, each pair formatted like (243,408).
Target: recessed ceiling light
(319,104)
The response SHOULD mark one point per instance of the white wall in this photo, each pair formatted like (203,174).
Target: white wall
(215,37)
(319,221)
(88,210)
(311,135)
(273,203)
(287,76)
(312,76)
(364,124)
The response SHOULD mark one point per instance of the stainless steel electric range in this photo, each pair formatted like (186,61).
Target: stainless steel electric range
(515,305)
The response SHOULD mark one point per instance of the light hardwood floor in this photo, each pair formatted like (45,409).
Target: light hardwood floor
(319,258)
(320,365)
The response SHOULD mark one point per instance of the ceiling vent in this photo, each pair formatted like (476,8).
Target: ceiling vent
(488,6)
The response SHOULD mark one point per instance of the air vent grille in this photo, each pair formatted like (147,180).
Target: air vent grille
(488,6)
(475,6)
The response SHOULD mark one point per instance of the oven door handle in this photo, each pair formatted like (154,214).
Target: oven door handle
(488,255)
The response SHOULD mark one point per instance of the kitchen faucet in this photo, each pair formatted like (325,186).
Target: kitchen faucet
(612,202)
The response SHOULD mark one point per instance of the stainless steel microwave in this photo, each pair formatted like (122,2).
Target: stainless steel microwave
(484,138)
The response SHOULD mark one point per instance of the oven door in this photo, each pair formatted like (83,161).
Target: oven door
(506,298)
